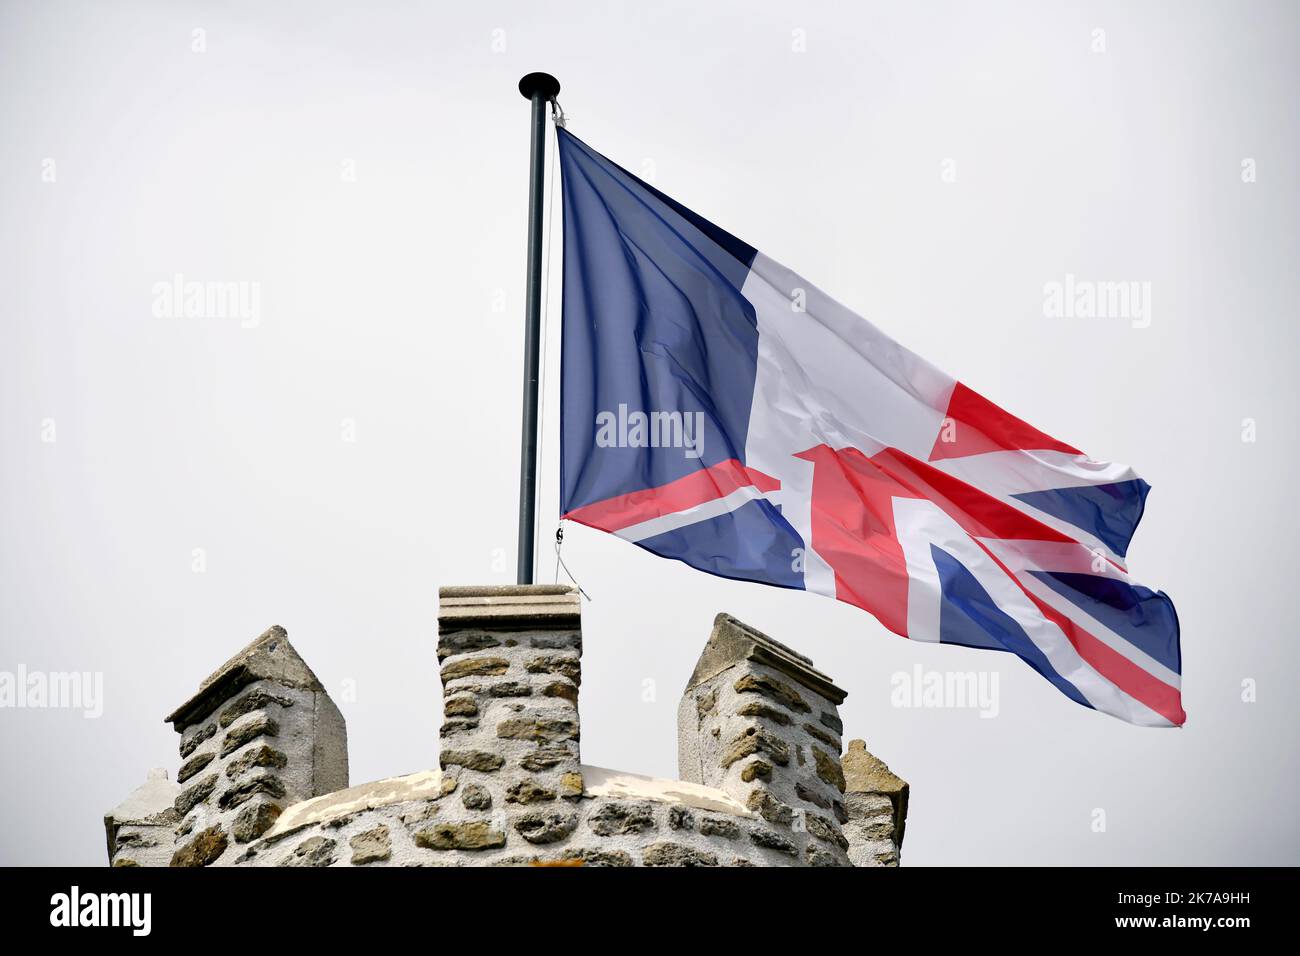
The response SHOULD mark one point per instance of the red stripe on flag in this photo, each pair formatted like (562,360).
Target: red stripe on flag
(853,522)
(977,426)
(979,513)
(707,484)
(1130,678)
(853,531)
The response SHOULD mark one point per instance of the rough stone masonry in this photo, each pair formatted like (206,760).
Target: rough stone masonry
(263,778)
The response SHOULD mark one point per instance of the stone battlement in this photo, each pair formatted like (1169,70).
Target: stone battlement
(764,781)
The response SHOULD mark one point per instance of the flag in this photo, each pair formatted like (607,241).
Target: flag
(720,410)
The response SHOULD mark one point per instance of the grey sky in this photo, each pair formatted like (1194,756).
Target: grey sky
(393,302)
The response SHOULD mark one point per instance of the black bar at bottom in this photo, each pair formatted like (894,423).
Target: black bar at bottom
(237,906)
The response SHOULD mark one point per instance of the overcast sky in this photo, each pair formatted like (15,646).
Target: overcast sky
(173,485)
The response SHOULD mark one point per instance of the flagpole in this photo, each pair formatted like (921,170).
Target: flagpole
(540,89)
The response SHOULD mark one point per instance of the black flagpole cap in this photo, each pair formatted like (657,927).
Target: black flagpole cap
(543,83)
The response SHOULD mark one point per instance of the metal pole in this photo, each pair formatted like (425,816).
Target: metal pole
(540,88)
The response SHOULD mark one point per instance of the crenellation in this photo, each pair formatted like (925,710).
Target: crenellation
(263,772)
(510,667)
(139,829)
(876,804)
(259,735)
(745,725)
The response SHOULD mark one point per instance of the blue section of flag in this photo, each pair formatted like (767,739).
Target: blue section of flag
(1144,618)
(653,321)
(969,616)
(752,543)
(1110,512)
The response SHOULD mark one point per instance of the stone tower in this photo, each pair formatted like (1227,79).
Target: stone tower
(263,779)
